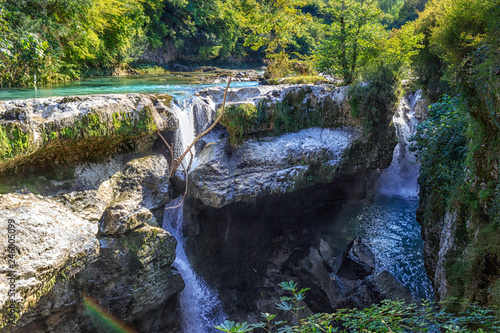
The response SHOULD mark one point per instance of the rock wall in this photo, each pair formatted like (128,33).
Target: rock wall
(248,204)
(63,129)
(269,164)
(87,242)
(460,227)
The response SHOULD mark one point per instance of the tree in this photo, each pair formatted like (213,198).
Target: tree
(274,28)
(353,38)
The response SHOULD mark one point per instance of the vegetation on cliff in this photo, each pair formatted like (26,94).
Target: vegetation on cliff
(459,147)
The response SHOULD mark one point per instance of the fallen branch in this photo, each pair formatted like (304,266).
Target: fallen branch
(178,161)
(187,182)
(188,149)
(168,146)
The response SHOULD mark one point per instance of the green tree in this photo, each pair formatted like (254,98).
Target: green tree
(353,38)
(274,26)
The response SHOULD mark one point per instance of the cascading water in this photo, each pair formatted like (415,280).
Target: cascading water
(389,225)
(185,133)
(400,178)
(200,307)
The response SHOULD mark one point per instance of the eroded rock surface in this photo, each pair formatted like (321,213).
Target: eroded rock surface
(90,238)
(274,165)
(65,129)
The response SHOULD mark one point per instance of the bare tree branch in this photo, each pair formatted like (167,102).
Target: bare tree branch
(188,149)
(168,146)
(178,161)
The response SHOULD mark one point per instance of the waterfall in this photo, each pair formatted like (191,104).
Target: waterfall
(400,178)
(200,306)
(185,133)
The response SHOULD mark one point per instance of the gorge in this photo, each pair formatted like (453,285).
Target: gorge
(256,214)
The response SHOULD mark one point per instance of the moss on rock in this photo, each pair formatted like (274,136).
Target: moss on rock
(46,134)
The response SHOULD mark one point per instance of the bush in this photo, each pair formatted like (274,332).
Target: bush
(387,316)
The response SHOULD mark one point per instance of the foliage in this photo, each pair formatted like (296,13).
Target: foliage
(440,145)
(353,38)
(300,79)
(61,39)
(242,119)
(387,316)
(371,100)
(459,149)
(274,28)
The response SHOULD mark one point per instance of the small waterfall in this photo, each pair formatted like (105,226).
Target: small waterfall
(200,306)
(400,178)
(185,134)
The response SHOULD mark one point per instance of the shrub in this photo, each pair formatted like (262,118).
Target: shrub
(387,316)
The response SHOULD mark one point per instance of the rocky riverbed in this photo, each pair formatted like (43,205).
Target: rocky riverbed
(86,178)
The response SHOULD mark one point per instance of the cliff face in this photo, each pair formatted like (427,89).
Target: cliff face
(86,189)
(248,202)
(303,136)
(88,235)
(460,227)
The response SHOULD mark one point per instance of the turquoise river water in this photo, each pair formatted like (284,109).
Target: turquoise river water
(178,85)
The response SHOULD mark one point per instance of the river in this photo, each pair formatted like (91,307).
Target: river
(179,85)
(388,224)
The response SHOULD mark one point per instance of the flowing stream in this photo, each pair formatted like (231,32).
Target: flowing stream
(200,307)
(389,224)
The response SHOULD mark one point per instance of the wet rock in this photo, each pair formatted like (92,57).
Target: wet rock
(179,68)
(422,109)
(358,261)
(389,287)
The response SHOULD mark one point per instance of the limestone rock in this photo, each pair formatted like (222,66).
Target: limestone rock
(65,129)
(275,165)
(329,102)
(126,184)
(118,219)
(422,109)
(51,243)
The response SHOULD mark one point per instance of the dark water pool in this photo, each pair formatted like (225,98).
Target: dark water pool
(389,227)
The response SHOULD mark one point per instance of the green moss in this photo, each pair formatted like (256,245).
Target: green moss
(240,120)
(294,113)
(14,140)
(301,79)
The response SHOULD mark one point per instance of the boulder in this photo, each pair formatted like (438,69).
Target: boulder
(56,130)
(274,165)
(96,240)
(51,244)
(358,261)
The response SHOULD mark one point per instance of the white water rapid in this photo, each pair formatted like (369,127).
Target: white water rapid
(200,307)
(400,178)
